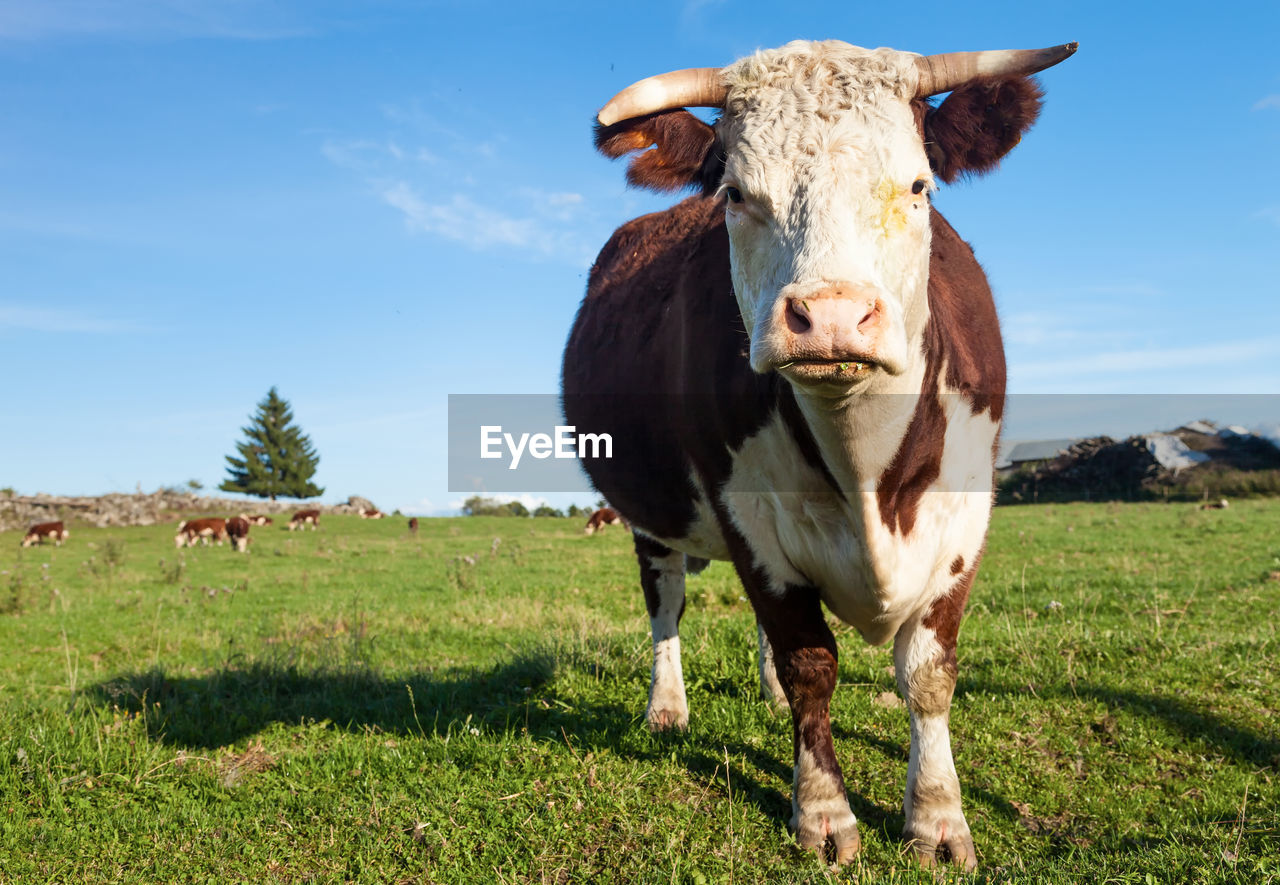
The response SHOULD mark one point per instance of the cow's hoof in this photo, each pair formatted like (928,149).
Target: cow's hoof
(955,848)
(815,831)
(667,720)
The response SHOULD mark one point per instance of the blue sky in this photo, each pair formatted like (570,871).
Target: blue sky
(374,205)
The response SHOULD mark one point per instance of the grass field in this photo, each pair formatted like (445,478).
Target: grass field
(357,704)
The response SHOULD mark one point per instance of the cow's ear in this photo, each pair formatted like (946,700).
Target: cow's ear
(677,151)
(979,123)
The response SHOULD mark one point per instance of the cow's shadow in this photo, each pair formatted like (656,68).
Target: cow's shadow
(231,704)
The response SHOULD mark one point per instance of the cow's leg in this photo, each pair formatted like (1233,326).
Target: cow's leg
(770,687)
(662,576)
(924,654)
(804,653)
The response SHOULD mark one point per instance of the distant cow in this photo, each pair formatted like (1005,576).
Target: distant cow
(372,514)
(256,519)
(38,533)
(238,531)
(202,530)
(413,524)
(601,518)
(303,518)
(1220,504)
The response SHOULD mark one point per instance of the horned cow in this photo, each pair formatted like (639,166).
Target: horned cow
(805,364)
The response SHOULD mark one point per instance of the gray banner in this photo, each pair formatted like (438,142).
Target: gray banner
(517,443)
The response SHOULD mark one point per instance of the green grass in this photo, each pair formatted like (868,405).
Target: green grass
(357,704)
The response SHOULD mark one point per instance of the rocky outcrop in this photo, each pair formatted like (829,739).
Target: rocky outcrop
(140,508)
(1186,463)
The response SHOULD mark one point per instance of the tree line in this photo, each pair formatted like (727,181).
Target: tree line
(478,505)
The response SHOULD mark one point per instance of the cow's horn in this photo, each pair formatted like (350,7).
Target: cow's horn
(690,88)
(942,73)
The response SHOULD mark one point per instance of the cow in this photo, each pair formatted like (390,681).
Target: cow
(413,524)
(601,518)
(202,530)
(238,532)
(40,532)
(304,518)
(372,514)
(256,519)
(803,370)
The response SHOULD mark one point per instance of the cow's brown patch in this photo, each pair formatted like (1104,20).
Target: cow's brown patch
(943,617)
(957,565)
(964,330)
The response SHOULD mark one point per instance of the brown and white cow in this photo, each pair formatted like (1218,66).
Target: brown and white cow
(413,524)
(201,530)
(372,514)
(803,373)
(46,531)
(256,519)
(238,532)
(601,518)
(304,518)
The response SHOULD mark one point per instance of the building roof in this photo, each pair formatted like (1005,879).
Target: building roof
(1038,450)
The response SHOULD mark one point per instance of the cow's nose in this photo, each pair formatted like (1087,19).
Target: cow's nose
(841,320)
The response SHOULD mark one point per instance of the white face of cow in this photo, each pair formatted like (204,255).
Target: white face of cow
(826,184)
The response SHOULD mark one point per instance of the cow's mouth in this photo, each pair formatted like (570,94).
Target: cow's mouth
(828,370)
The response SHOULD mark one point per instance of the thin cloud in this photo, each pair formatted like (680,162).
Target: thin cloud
(1269,213)
(41,319)
(1271,101)
(1039,328)
(1181,360)
(461,219)
(420,507)
(358,154)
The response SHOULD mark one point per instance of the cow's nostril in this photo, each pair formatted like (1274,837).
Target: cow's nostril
(798,316)
(872,319)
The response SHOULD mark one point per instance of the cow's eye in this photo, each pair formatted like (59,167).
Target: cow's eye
(918,187)
(734,195)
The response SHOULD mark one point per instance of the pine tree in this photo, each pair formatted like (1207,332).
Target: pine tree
(276,458)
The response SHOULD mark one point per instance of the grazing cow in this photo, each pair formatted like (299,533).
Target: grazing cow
(43,531)
(601,518)
(238,531)
(304,518)
(803,369)
(257,519)
(202,530)
(372,514)
(413,524)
